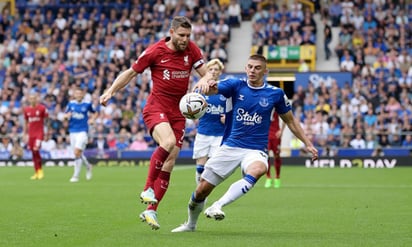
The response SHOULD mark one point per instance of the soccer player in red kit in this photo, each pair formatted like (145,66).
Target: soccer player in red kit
(35,116)
(275,137)
(171,61)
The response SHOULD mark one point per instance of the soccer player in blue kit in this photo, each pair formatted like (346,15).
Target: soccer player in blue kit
(245,139)
(211,125)
(77,112)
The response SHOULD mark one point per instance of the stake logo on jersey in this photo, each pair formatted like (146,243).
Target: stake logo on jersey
(210,123)
(248,122)
(79,116)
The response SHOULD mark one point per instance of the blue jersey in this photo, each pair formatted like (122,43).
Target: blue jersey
(210,124)
(249,112)
(80,116)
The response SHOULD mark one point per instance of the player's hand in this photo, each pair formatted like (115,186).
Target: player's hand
(91,122)
(222,118)
(105,97)
(313,151)
(201,87)
(68,115)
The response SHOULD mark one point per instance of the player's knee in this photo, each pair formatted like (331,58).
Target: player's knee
(168,143)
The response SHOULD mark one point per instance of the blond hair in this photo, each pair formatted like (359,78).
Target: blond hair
(217,62)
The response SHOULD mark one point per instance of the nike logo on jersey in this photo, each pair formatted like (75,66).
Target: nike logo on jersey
(164,60)
(241,97)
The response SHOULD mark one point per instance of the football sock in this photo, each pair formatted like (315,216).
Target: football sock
(36,160)
(160,187)
(199,171)
(156,163)
(85,161)
(237,189)
(194,209)
(278,164)
(268,171)
(77,167)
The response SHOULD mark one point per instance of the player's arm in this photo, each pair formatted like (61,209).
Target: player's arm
(282,128)
(204,84)
(294,126)
(119,83)
(93,118)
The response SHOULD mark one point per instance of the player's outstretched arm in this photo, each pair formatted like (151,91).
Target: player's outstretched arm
(294,126)
(120,82)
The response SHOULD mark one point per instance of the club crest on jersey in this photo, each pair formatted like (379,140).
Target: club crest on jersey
(83,108)
(186,60)
(263,102)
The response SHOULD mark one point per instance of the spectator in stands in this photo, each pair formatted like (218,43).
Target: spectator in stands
(327,34)
(347,65)
(335,12)
(358,142)
(235,13)
(407,142)
(139,142)
(48,144)
(344,43)
(218,52)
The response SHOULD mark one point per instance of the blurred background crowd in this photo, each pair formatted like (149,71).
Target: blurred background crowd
(54,46)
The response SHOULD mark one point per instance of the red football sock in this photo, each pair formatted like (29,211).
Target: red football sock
(268,172)
(160,187)
(156,163)
(36,160)
(278,164)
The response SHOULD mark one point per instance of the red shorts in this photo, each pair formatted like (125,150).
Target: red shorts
(154,113)
(34,143)
(274,145)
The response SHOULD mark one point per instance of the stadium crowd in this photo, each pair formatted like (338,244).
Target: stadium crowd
(52,47)
(59,45)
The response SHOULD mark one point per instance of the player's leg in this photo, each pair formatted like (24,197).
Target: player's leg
(201,150)
(278,164)
(197,202)
(253,166)
(30,146)
(85,162)
(37,158)
(156,194)
(163,134)
(271,151)
(76,144)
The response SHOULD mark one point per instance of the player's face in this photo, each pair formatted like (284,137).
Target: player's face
(33,99)
(214,71)
(255,71)
(78,95)
(180,38)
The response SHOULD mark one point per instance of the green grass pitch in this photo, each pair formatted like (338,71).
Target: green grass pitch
(314,207)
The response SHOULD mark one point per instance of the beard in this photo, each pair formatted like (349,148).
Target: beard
(180,46)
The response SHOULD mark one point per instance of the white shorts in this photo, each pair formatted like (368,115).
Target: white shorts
(205,146)
(78,140)
(226,159)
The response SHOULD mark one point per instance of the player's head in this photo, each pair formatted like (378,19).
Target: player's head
(256,69)
(215,68)
(33,98)
(78,94)
(180,32)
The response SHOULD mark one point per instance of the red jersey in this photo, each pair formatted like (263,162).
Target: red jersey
(35,117)
(170,70)
(274,125)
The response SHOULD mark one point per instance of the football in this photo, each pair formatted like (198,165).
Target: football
(193,105)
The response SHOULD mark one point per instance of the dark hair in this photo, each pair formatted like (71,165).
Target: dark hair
(258,57)
(181,21)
